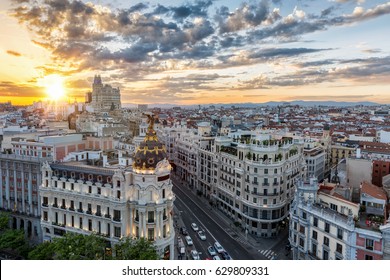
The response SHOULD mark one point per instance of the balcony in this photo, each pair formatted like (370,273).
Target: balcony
(89,212)
(80,210)
(98,214)
(63,207)
(116,219)
(71,209)
(45,205)
(55,205)
(255,182)
(108,216)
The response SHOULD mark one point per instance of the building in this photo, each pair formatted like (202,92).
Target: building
(380,168)
(255,180)
(112,200)
(315,157)
(104,98)
(326,226)
(339,152)
(383,136)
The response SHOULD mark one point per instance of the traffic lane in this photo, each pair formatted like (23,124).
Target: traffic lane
(233,247)
(188,217)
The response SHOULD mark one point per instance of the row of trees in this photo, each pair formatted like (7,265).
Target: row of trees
(74,246)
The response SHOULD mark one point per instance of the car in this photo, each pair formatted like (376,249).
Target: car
(183,230)
(195,255)
(189,240)
(202,235)
(226,256)
(218,247)
(194,227)
(216,258)
(211,251)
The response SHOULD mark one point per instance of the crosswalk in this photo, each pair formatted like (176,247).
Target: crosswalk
(267,253)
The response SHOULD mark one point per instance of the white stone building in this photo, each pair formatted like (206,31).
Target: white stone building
(133,201)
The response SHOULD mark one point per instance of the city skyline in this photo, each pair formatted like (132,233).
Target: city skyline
(196,52)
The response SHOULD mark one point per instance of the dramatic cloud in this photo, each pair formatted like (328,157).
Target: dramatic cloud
(144,39)
(12,89)
(14,53)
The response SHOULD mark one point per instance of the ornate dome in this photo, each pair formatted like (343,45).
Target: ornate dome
(150,151)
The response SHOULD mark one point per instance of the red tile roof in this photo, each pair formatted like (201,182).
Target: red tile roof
(373,191)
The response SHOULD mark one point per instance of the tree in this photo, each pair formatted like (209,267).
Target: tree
(74,246)
(135,249)
(4,218)
(43,251)
(13,241)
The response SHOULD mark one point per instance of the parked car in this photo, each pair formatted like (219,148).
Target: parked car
(195,255)
(216,258)
(218,247)
(183,230)
(211,251)
(226,256)
(202,235)
(194,227)
(189,240)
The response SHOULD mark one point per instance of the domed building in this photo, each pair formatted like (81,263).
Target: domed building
(152,201)
(114,201)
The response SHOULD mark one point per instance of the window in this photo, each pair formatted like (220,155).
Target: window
(326,241)
(45,216)
(265,171)
(339,248)
(295,225)
(265,201)
(315,222)
(150,234)
(368,257)
(45,201)
(369,244)
(163,193)
(71,205)
(117,232)
(89,189)
(72,221)
(301,242)
(117,215)
(99,190)
(333,207)
(89,224)
(314,236)
(339,233)
(118,194)
(89,208)
(72,186)
(325,255)
(314,249)
(327,227)
(304,215)
(98,210)
(302,229)
(81,223)
(108,230)
(80,207)
(150,216)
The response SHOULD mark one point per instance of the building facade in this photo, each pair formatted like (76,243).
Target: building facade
(104,97)
(113,201)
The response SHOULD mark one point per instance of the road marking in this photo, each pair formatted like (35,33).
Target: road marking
(205,228)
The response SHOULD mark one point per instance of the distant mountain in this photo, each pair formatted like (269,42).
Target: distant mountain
(270,103)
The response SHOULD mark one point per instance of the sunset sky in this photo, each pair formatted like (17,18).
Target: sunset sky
(196,52)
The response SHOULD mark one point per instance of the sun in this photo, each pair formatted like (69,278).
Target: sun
(54,85)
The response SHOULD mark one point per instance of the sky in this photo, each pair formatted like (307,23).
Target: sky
(196,52)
